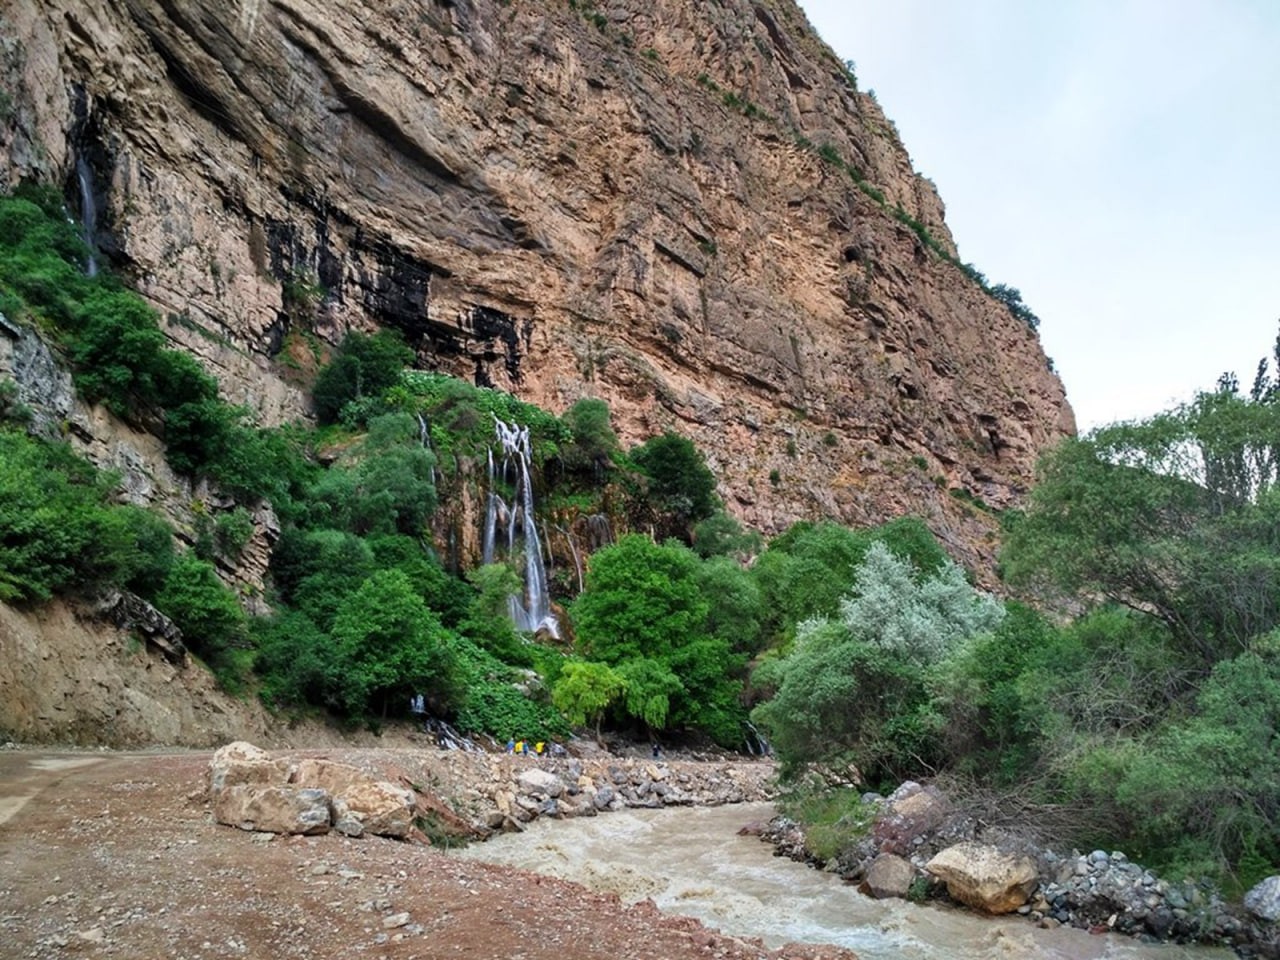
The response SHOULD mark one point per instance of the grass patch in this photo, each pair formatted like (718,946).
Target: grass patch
(833,818)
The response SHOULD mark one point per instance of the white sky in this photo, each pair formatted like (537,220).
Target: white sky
(1118,161)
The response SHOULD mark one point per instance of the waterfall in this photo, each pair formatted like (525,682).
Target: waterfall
(88,214)
(532,610)
(573,549)
(756,743)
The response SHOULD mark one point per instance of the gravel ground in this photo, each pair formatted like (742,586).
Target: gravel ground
(118,855)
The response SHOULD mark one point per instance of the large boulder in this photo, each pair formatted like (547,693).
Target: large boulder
(253,791)
(983,877)
(375,807)
(888,876)
(273,809)
(541,782)
(1263,901)
(911,814)
(243,764)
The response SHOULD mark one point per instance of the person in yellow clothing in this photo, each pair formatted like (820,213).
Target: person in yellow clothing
(520,747)
(537,748)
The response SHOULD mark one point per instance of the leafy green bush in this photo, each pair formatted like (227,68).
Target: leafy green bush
(389,647)
(681,489)
(833,819)
(295,660)
(585,690)
(856,688)
(208,614)
(643,613)
(364,366)
(461,416)
(593,442)
(722,535)
(385,485)
(60,533)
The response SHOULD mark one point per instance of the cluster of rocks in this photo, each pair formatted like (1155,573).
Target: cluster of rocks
(917,845)
(519,790)
(469,793)
(252,791)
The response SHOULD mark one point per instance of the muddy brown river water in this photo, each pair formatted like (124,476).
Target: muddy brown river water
(691,861)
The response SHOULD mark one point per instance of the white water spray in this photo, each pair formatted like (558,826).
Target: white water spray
(531,611)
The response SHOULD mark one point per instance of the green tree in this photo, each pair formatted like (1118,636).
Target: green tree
(1175,516)
(488,620)
(316,570)
(208,614)
(59,532)
(855,688)
(294,659)
(641,600)
(388,646)
(644,614)
(449,597)
(385,486)
(649,687)
(735,603)
(681,488)
(722,535)
(593,441)
(585,690)
(364,366)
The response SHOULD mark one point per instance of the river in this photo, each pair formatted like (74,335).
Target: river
(691,861)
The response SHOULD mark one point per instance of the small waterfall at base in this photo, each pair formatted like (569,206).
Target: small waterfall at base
(88,214)
(532,611)
(755,741)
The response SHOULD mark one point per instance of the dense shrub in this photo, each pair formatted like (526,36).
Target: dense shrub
(856,687)
(59,531)
(208,614)
(681,490)
(643,613)
(364,366)
(388,647)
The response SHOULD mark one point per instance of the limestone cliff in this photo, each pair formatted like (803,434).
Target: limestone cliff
(630,200)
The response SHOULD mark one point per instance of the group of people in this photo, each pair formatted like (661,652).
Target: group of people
(539,749)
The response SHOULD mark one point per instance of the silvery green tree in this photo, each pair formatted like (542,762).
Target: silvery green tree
(853,688)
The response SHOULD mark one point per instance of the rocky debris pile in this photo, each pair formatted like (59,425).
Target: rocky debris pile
(455,793)
(518,790)
(254,792)
(918,845)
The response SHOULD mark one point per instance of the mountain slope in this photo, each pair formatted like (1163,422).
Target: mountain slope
(649,203)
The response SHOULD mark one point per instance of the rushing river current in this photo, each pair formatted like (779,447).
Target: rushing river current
(691,861)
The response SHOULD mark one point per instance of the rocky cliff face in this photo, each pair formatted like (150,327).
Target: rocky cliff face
(634,201)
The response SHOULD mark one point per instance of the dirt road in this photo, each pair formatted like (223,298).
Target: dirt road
(118,855)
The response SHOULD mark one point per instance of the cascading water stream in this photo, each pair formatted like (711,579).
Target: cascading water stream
(532,611)
(88,214)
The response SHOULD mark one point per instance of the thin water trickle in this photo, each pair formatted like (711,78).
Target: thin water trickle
(691,861)
(88,214)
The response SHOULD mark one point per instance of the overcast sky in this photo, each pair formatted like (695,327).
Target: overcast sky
(1118,161)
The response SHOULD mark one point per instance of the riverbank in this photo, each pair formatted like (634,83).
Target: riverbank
(118,855)
(895,853)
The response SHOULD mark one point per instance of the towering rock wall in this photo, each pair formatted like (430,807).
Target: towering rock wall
(632,201)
